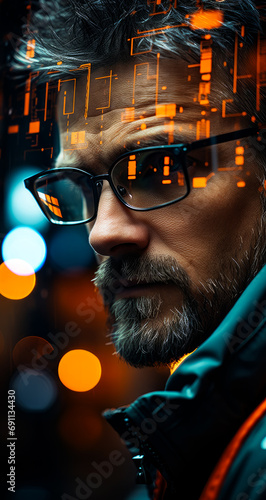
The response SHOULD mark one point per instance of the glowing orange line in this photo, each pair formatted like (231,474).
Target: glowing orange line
(134,83)
(229,169)
(74,95)
(165,11)
(213,487)
(87,92)
(243,76)
(157,79)
(208,128)
(45,103)
(149,33)
(27,104)
(149,77)
(164,28)
(110,86)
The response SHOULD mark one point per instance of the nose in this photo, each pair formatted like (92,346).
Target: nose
(117,230)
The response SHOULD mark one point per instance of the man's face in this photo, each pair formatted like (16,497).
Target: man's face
(168,276)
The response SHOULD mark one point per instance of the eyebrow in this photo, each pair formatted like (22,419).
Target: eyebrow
(154,140)
(159,140)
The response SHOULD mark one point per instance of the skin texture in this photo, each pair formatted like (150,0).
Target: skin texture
(209,234)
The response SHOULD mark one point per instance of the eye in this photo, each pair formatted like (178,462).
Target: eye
(121,190)
(160,163)
(194,162)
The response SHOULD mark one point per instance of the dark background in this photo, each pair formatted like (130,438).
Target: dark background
(57,445)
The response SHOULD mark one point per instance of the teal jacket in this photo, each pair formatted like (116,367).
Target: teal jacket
(183,431)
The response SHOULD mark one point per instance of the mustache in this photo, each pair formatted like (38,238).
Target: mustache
(113,276)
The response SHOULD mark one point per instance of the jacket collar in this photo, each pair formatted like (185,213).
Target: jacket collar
(184,429)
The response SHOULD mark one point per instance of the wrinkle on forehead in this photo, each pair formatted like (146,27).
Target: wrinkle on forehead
(107,135)
(138,80)
(117,138)
(126,84)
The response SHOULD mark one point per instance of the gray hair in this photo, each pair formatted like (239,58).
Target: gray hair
(76,32)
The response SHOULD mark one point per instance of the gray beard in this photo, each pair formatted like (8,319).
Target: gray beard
(142,339)
(140,335)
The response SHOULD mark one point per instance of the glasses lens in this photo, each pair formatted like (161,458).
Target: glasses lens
(150,178)
(204,163)
(66,196)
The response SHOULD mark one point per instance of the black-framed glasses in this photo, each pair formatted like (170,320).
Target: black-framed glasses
(144,179)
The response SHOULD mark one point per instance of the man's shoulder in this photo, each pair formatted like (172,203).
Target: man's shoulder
(241,471)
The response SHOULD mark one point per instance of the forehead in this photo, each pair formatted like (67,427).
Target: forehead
(106,111)
(124,85)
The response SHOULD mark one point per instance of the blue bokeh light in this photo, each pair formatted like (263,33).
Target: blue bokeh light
(26,244)
(20,206)
(35,391)
(263,443)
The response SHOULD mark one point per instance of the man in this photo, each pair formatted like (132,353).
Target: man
(162,155)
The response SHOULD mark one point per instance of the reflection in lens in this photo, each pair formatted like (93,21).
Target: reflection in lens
(204,163)
(66,196)
(150,178)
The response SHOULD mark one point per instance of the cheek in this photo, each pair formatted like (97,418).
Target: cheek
(209,226)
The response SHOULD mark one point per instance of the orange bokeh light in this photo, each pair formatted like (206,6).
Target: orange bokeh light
(14,286)
(79,370)
(29,350)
